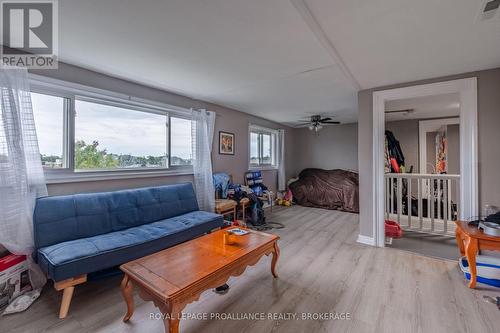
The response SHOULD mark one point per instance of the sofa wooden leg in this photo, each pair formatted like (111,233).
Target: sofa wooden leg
(68,286)
(66,301)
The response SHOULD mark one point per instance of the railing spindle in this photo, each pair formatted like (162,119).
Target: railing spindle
(445,208)
(387,198)
(432,204)
(392,194)
(399,198)
(438,199)
(448,184)
(420,210)
(408,201)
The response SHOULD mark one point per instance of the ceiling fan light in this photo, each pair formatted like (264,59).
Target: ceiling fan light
(311,127)
(318,127)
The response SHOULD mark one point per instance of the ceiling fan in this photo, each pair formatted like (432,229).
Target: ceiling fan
(316,123)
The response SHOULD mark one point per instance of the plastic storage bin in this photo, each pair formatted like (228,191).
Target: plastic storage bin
(487,267)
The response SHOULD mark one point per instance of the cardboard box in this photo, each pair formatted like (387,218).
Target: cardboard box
(14,278)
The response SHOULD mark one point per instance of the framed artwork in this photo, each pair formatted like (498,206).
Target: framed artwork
(226,143)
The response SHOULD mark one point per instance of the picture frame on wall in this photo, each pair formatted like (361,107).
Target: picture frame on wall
(226,143)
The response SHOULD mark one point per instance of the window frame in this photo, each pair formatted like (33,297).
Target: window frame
(169,142)
(73,92)
(67,124)
(260,131)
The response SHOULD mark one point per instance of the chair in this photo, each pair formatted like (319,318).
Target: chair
(253,179)
(223,205)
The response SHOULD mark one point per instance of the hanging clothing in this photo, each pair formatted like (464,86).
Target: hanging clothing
(387,157)
(221,184)
(395,151)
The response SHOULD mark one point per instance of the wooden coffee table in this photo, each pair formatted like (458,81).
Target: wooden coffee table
(177,276)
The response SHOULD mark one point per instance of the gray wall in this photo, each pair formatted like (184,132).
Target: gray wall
(407,133)
(489,136)
(227,120)
(333,147)
(430,151)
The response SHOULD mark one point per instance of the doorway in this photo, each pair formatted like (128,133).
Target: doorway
(467,198)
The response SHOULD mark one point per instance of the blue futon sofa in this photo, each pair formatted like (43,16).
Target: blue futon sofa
(84,233)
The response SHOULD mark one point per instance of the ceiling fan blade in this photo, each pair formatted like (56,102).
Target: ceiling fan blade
(331,122)
(325,119)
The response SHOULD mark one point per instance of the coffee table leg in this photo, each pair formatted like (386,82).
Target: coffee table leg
(276,254)
(471,251)
(127,292)
(171,317)
(171,325)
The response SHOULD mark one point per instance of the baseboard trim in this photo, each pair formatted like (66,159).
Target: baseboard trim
(366,240)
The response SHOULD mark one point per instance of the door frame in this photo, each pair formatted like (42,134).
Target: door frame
(467,90)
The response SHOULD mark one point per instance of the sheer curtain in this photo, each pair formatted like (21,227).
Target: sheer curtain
(281,160)
(202,134)
(21,173)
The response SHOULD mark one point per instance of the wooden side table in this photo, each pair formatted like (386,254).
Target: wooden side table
(470,241)
(226,207)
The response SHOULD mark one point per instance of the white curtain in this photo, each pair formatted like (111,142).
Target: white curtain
(21,174)
(202,133)
(281,160)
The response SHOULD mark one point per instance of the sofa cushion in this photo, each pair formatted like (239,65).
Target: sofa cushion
(63,218)
(91,254)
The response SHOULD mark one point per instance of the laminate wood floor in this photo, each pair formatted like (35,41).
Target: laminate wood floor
(436,246)
(321,270)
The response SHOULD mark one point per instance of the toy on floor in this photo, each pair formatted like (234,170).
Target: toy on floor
(285,199)
(393,229)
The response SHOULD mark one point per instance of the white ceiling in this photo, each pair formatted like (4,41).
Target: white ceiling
(392,41)
(282,59)
(437,106)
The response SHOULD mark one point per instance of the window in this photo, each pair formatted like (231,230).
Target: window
(48,112)
(180,141)
(262,147)
(254,148)
(111,137)
(267,149)
(86,134)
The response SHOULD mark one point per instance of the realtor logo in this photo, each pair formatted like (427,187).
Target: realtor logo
(29,33)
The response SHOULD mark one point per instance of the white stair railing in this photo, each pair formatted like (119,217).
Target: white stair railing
(423,202)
